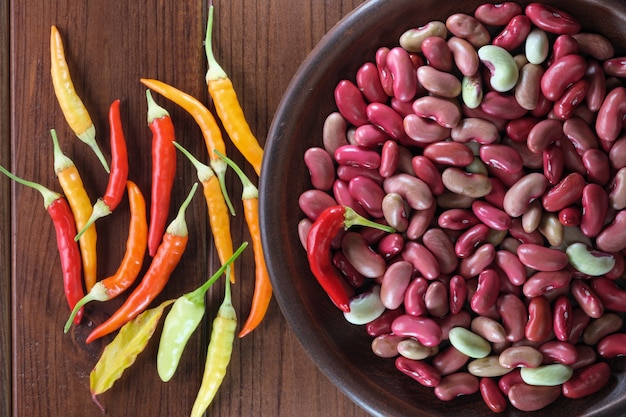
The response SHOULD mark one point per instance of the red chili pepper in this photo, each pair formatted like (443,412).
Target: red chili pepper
(163,170)
(165,260)
(321,234)
(119,170)
(65,227)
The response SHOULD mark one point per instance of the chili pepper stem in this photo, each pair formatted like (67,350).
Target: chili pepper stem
(100,210)
(89,137)
(48,195)
(203,171)
(219,167)
(249,189)
(352,218)
(215,70)
(154,110)
(61,161)
(178,226)
(98,293)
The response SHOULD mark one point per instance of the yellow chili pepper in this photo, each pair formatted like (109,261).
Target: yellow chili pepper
(219,218)
(218,354)
(228,107)
(207,123)
(74,110)
(79,201)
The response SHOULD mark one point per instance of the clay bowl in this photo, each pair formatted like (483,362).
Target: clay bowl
(341,350)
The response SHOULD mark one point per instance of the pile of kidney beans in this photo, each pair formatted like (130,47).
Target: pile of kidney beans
(493,143)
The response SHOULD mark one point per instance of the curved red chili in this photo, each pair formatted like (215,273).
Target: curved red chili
(119,170)
(319,240)
(65,228)
(163,170)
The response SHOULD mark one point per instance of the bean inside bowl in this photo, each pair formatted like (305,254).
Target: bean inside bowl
(340,349)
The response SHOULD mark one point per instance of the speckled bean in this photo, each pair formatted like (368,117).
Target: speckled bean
(415,191)
(551,228)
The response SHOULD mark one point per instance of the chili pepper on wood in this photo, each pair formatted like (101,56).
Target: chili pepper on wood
(163,170)
(262,285)
(183,319)
(65,227)
(219,217)
(72,106)
(319,239)
(165,260)
(79,202)
(228,107)
(119,170)
(218,354)
(207,123)
(136,243)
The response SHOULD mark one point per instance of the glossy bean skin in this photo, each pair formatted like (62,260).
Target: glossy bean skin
(386,119)
(587,299)
(382,324)
(422,259)
(488,328)
(491,395)
(528,88)
(395,281)
(412,189)
(454,385)
(541,258)
(314,202)
(321,169)
(464,56)
(419,370)
(402,73)
(518,356)
(368,81)
(498,14)
(440,245)
(618,190)
(541,282)
(559,351)
(368,194)
(476,129)
(348,271)
(610,114)
(539,324)
(395,211)
(350,102)
(510,264)
(357,156)
(587,381)
(514,316)
(514,33)
(386,345)
(412,349)
(437,53)
(436,299)
(562,317)
(568,191)
(445,112)
(424,330)
(412,39)
(361,256)
(612,345)
(523,192)
(449,360)
(613,237)
(491,216)
(610,294)
(465,183)
(551,19)
(526,397)
(565,71)
(438,82)
(602,326)
(467,242)
(487,291)
(422,130)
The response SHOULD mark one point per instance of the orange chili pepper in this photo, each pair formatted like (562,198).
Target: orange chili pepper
(131,264)
(72,106)
(79,202)
(228,107)
(207,123)
(219,218)
(262,285)
(163,264)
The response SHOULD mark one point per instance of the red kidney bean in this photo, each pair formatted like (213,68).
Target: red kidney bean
(543,134)
(573,161)
(383,72)
(564,45)
(539,323)
(551,19)
(508,179)
(559,351)
(478,261)
(436,299)
(570,216)
(342,195)
(514,316)
(491,216)
(414,303)
(611,114)
(580,320)
(518,129)
(573,96)
(449,153)
(466,183)
(526,397)
(437,53)
(517,231)
(369,136)
(350,102)
(395,281)
(542,258)
(449,360)
(605,325)
(314,202)
(347,173)
(457,219)
(320,166)
(477,112)
(618,269)
(467,27)
(612,346)
(563,72)
(420,371)
(597,85)
(440,245)
(438,82)
(419,222)
(426,170)
(386,119)
(502,105)
(389,157)
(491,395)
(489,329)
(402,73)
(422,259)
(510,264)
(348,271)
(587,381)
(520,356)
(443,111)
(553,163)
(424,329)
(456,384)
(386,345)
(523,192)
(487,291)
(412,189)
(467,242)
(542,282)
(562,319)
(531,159)
(395,211)
(617,192)
(382,324)
(461,319)
(617,154)
(464,55)
(497,14)
(568,191)
(615,67)
(502,157)
(586,356)
(423,131)
(368,194)
(496,195)
(357,156)
(361,256)
(594,44)
(390,245)
(368,81)
(475,129)
(514,33)
(613,237)
(598,166)
(595,205)
(457,293)
(449,200)
(610,294)
(507,381)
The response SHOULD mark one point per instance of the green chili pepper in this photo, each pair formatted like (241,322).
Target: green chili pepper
(183,318)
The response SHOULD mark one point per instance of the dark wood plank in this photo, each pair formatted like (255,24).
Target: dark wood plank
(109,46)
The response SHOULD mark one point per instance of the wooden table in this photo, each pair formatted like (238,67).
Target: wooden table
(109,46)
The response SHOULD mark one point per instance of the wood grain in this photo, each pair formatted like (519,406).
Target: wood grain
(109,46)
